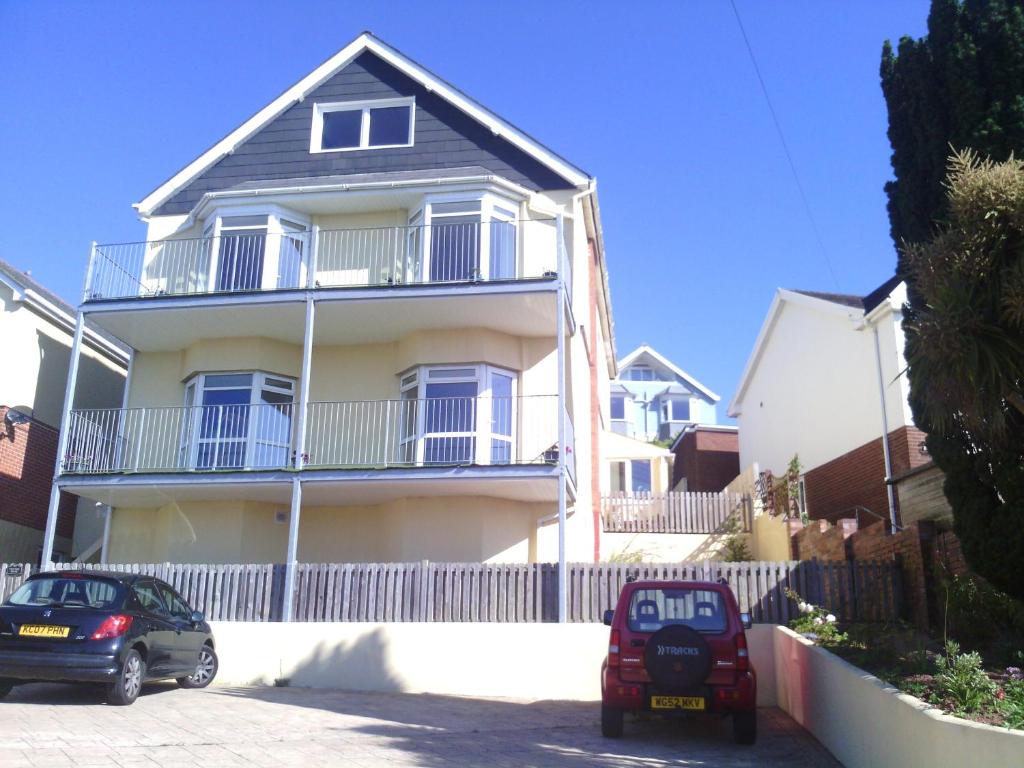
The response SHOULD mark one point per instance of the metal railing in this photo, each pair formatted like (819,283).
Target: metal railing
(448,431)
(437,253)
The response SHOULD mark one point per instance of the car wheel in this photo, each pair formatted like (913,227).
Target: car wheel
(744,727)
(206,670)
(6,686)
(125,690)
(611,722)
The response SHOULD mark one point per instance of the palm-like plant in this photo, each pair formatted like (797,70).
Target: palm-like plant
(965,349)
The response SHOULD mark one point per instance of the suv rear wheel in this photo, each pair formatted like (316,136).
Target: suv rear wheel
(744,727)
(611,722)
(6,686)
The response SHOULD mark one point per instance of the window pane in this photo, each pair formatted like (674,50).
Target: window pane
(227,380)
(618,407)
(341,129)
(240,265)
(389,125)
(618,476)
(503,250)
(455,248)
(449,450)
(464,206)
(652,609)
(243,221)
(451,373)
(278,383)
(641,475)
(680,410)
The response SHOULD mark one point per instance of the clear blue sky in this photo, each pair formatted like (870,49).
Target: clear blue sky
(702,219)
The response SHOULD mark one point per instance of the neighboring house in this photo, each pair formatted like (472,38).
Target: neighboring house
(707,458)
(654,399)
(370,324)
(826,381)
(36,328)
(635,466)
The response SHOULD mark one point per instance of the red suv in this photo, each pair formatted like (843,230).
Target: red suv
(678,647)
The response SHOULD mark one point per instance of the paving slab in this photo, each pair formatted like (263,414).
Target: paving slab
(48,725)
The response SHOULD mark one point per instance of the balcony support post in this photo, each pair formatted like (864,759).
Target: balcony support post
(560,330)
(50,532)
(291,561)
(311,262)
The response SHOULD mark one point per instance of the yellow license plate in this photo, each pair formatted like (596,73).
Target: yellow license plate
(677,702)
(43,630)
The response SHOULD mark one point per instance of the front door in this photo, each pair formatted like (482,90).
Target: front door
(161,633)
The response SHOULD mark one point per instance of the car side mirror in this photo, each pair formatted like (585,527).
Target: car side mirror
(608,617)
(197,617)
(746,621)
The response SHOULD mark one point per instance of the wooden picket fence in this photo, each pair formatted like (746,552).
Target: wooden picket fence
(482,592)
(674,512)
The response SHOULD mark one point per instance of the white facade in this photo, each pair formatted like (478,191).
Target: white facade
(653,399)
(814,383)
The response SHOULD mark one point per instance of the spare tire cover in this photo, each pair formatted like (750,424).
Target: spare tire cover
(677,657)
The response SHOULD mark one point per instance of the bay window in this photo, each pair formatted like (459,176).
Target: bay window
(463,239)
(675,409)
(237,421)
(459,414)
(256,249)
(632,476)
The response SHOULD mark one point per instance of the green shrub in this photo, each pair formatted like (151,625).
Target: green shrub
(815,623)
(961,682)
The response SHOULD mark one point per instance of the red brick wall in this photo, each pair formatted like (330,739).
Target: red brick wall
(27,455)
(857,478)
(708,459)
(911,547)
(822,541)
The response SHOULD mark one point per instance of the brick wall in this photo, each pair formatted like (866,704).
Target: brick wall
(822,541)
(708,459)
(857,478)
(911,547)
(27,455)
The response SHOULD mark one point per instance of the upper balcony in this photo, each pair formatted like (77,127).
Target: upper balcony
(444,275)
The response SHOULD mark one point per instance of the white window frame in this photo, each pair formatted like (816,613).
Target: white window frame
(320,109)
(213,228)
(628,473)
(666,409)
(417,378)
(493,208)
(192,423)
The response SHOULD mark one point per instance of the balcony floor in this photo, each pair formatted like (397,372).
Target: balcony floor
(320,487)
(344,315)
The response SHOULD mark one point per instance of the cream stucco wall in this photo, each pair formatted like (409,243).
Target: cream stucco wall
(814,390)
(20,544)
(447,529)
(42,352)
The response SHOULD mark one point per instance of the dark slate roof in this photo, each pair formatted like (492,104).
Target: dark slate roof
(866,303)
(880,293)
(364,178)
(846,299)
(28,281)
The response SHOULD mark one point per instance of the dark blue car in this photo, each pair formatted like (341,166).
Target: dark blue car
(118,629)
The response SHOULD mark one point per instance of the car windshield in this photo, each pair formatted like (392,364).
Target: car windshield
(68,592)
(701,609)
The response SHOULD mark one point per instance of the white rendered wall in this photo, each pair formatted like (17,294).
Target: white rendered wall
(814,390)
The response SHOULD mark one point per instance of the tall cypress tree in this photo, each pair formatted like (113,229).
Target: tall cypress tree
(961,87)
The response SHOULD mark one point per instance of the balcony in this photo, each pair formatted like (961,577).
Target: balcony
(371,285)
(370,434)
(450,254)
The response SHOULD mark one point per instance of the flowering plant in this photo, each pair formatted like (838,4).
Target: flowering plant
(815,623)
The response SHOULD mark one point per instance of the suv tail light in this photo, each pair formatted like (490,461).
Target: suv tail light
(742,654)
(112,626)
(613,649)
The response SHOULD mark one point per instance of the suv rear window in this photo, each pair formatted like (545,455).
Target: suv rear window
(68,592)
(701,609)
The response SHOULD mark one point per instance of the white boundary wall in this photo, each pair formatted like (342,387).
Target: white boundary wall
(866,723)
(533,661)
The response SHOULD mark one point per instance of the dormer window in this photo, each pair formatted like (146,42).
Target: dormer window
(350,125)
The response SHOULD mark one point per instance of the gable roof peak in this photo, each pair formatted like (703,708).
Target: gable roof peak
(647,349)
(365,42)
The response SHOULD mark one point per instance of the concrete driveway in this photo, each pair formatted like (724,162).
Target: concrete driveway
(54,725)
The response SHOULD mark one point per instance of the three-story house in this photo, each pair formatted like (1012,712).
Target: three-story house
(371,324)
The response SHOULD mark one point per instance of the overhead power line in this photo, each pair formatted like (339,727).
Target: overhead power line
(785,147)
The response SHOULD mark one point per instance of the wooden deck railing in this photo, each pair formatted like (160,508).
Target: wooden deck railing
(674,512)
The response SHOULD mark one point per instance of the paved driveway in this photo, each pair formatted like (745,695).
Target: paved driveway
(53,725)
